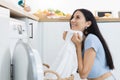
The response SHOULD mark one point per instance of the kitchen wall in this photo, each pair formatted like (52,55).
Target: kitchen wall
(68,6)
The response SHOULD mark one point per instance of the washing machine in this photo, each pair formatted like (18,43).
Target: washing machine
(4,44)
(26,63)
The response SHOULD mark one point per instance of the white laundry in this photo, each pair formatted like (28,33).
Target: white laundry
(66,62)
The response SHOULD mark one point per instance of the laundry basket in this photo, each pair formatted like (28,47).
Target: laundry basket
(47,71)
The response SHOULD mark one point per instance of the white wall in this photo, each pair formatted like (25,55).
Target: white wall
(68,6)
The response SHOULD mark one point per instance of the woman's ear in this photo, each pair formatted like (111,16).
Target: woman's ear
(88,23)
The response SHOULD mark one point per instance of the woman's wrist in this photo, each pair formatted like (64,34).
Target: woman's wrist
(78,45)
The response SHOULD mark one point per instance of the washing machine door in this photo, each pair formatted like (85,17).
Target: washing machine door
(25,65)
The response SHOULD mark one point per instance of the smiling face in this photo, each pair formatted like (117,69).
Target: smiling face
(78,22)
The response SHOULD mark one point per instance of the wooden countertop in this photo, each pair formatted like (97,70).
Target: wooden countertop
(66,20)
(108,19)
(54,20)
(17,12)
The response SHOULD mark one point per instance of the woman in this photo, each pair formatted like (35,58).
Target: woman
(94,57)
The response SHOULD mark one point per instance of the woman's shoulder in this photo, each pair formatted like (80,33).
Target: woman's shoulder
(92,37)
(92,41)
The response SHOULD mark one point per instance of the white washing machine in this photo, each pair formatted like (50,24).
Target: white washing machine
(26,62)
(4,44)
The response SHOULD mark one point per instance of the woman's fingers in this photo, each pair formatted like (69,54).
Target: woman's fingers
(76,38)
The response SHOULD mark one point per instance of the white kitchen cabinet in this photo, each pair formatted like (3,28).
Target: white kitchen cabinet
(111,33)
(4,44)
(51,39)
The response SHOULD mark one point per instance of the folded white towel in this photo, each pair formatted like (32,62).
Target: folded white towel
(66,62)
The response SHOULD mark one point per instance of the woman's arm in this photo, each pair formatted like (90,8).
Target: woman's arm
(87,62)
(84,64)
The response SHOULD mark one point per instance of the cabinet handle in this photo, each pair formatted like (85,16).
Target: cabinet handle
(31,30)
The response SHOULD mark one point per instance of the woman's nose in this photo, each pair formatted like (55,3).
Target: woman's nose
(73,20)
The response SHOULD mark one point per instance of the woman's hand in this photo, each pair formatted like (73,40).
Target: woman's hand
(64,34)
(76,39)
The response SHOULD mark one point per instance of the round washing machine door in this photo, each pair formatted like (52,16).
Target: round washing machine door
(38,63)
(25,64)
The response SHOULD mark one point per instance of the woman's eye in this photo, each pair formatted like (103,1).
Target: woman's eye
(77,17)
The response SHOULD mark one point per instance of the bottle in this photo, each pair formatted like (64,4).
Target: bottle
(21,3)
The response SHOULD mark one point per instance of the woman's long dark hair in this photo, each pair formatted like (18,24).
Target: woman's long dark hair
(95,30)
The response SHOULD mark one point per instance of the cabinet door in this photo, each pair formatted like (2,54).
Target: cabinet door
(4,44)
(52,41)
(111,33)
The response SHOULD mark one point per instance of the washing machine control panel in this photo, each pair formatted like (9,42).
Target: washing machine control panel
(18,29)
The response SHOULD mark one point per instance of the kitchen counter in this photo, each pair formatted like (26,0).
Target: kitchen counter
(66,20)
(54,20)
(108,19)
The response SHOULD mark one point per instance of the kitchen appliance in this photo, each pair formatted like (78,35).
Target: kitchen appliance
(25,61)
